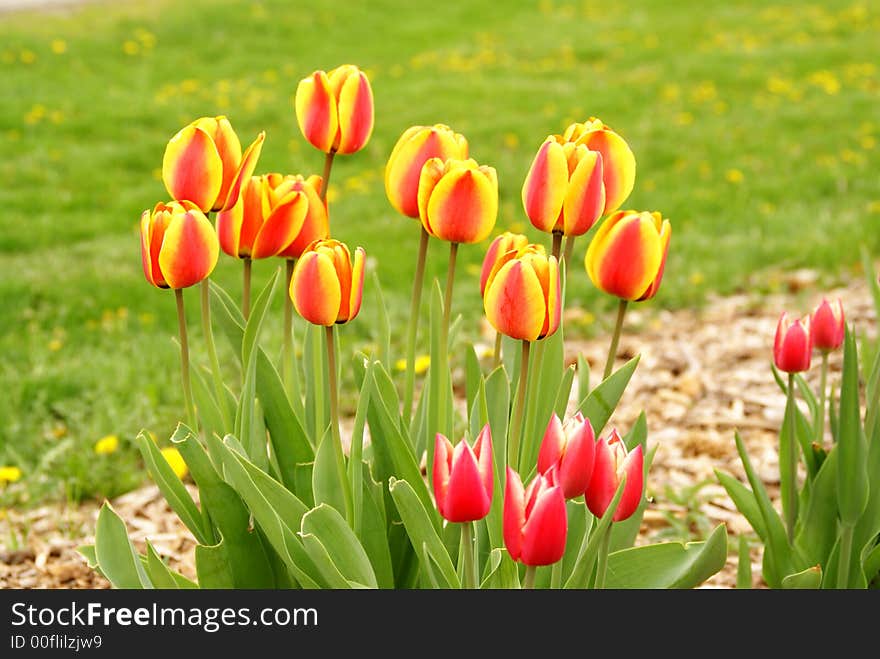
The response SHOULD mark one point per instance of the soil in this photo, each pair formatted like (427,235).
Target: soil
(702,375)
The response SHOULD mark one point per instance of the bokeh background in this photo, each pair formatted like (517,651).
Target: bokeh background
(755,126)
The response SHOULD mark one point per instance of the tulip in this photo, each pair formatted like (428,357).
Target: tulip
(203,164)
(327,285)
(611,465)
(462,477)
(316,225)
(793,345)
(504,243)
(828,326)
(571,449)
(627,255)
(563,192)
(415,147)
(335,110)
(534,521)
(522,296)
(618,161)
(458,199)
(268,217)
(179,247)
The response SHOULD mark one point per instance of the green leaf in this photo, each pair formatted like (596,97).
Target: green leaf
(421,531)
(212,567)
(497,389)
(439,385)
(744,501)
(564,392)
(160,574)
(580,524)
(602,401)
(852,478)
(546,373)
(624,533)
(871,564)
(808,396)
(383,325)
(809,579)
(356,451)
(502,571)
(583,377)
(173,489)
(343,547)
(473,375)
(867,530)
(372,532)
(743,565)
(115,554)
(209,413)
(88,552)
(586,560)
(817,531)
(325,477)
(668,565)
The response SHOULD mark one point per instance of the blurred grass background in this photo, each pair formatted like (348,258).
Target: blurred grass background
(755,126)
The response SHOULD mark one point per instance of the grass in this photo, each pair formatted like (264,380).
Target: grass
(754,125)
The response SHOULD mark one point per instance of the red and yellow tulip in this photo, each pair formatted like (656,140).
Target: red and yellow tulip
(828,325)
(327,286)
(179,247)
(793,345)
(416,146)
(571,450)
(458,199)
(203,164)
(335,109)
(627,255)
(612,463)
(504,243)
(564,190)
(535,523)
(462,477)
(618,161)
(522,296)
(316,224)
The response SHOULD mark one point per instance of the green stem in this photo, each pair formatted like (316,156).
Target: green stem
(496,360)
(246,289)
(516,422)
(318,384)
(325,178)
(468,554)
(184,362)
(823,383)
(450,281)
(287,356)
(846,539)
(409,386)
(208,330)
(602,565)
(557,244)
(790,475)
(334,425)
(615,339)
(569,249)
(529,578)
(556,575)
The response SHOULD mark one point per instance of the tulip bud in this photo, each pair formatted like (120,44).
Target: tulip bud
(522,296)
(462,477)
(571,449)
(316,224)
(535,523)
(458,200)
(335,110)
(563,192)
(326,286)
(178,245)
(267,218)
(415,147)
(500,246)
(203,164)
(793,346)
(618,161)
(611,464)
(627,255)
(828,326)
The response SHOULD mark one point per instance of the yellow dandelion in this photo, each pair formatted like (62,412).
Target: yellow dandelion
(55,345)
(130,47)
(874,207)
(697,278)
(27,56)
(867,142)
(9,475)
(684,119)
(107,445)
(58,46)
(56,117)
(669,92)
(587,318)
(511,140)
(421,364)
(175,461)
(734,176)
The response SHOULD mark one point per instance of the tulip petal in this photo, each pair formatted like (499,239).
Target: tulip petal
(189,249)
(153,227)
(466,497)
(619,165)
(229,148)
(633,467)
(545,187)
(355,113)
(440,473)
(585,199)
(624,256)
(665,235)
(554,299)
(191,167)
(315,225)
(514,302)
(576,466)
(463,206)
(603,482)
(483,451)
(315,289)
(431,173)
(245,170)
(281,227)
(514,515)
(316,111)
(544,533)
(552,445)
(357,284)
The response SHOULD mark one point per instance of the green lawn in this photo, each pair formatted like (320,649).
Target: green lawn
(755,126)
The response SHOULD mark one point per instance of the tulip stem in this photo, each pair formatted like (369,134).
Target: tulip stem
(516,423)
(317,384)
(208,330)
(325,178)
(409,384)
(497,357)
(246,290)
(529,578)
(789,476)
(450,281)
(184,362)
(468,556)
(557,244)
(556,575)
(602,565)
(615,339)
(846,539)
(569,249)
(823,383)
(287,355)
(334,424)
